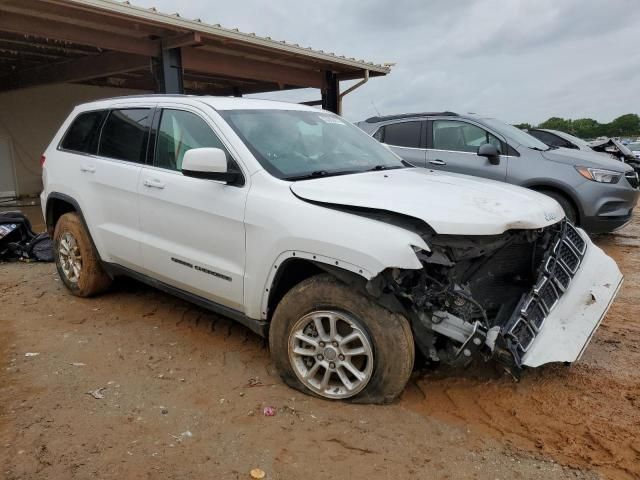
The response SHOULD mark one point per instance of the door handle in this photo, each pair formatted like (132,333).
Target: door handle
(88,168)
(154,184)
(437,161)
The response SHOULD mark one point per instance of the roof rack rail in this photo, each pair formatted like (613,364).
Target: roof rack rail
(410,115)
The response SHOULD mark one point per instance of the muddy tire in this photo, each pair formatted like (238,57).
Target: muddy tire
(322,325)
(76,260)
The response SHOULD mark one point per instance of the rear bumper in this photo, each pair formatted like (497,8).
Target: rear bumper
(575,318)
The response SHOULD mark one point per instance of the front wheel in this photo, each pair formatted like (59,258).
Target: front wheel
(330,340)
(76,259)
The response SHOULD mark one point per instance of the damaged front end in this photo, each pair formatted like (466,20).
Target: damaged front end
(524,298)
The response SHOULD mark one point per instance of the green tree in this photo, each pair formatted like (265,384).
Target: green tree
(624,125)
(523,126)
(557,123)
(586,128)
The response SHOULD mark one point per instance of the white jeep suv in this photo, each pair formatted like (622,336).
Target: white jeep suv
(300,226)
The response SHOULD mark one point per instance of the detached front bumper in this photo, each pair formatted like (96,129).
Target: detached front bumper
(556,322)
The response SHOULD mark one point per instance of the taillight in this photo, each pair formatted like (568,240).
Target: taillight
(42,160)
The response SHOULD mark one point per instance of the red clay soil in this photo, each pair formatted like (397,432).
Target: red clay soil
(587,414)
(184,392)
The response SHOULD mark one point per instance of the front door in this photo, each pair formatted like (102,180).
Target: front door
(453,147)
(193,228)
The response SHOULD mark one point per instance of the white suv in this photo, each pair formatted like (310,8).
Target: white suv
(300,226)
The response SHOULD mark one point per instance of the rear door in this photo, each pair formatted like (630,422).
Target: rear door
(193,228)
(406,139)
(453,146)
(107,149)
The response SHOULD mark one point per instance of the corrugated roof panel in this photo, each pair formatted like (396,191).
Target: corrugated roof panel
(152,15)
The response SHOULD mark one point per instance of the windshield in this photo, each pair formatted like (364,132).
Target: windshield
(571,138)
(295,144)
(515,134)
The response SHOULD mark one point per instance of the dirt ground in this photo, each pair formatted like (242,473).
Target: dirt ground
(184,392)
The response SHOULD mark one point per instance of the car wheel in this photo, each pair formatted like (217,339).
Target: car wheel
(331,341)
(76,259)
(569,210)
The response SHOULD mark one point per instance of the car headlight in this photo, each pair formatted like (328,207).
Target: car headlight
(599,174)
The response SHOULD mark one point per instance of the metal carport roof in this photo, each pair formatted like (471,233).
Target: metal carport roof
(104,42)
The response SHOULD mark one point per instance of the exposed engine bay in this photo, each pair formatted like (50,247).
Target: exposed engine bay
(484,295)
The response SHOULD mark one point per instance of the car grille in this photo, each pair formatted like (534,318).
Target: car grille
(560,266)
(632,178)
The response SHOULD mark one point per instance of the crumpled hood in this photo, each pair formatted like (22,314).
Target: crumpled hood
(449,203)
(586,159)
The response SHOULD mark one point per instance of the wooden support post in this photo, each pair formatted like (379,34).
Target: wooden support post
(331,93)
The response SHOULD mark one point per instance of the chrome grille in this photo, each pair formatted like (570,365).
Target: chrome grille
(575,239)
(547,294)
(534,314)
(523,332)
(567,256)
(558,273)
(560,266)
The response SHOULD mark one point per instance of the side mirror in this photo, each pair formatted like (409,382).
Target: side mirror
(490,152)
(209,164)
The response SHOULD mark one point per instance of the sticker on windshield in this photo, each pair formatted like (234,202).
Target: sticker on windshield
(328,119)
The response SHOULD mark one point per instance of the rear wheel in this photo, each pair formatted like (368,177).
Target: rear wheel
(566,204)
(76,259)
(329,340)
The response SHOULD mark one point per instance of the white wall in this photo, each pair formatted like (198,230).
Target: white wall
(31,117)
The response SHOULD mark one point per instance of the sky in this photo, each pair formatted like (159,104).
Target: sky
(517,60)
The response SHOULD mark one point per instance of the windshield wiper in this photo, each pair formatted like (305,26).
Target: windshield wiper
(383,167)
(318,174)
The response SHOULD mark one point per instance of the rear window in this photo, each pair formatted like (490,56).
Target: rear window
(84,133)
(404,134)
(125,133)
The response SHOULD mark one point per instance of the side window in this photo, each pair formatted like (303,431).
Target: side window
(179,132)
(403,134)
(84,133)
(461,136)
(124,135)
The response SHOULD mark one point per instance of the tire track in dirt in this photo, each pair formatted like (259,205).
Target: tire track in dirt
(584,415)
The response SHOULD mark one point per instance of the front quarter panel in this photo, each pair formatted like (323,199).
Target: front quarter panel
(278,224)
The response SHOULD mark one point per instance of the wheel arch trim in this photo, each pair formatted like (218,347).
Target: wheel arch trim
(73,202)
(328,264)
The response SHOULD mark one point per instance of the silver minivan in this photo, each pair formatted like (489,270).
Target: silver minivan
(596,192)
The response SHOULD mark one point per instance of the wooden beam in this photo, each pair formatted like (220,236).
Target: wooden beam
(231,90)
(144,84)
(82,69)
(38,27)
(232,66)
(191,39)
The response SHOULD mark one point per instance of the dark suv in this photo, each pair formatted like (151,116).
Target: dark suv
(596,192)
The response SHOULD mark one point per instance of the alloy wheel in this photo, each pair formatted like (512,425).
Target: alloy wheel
(331,354)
